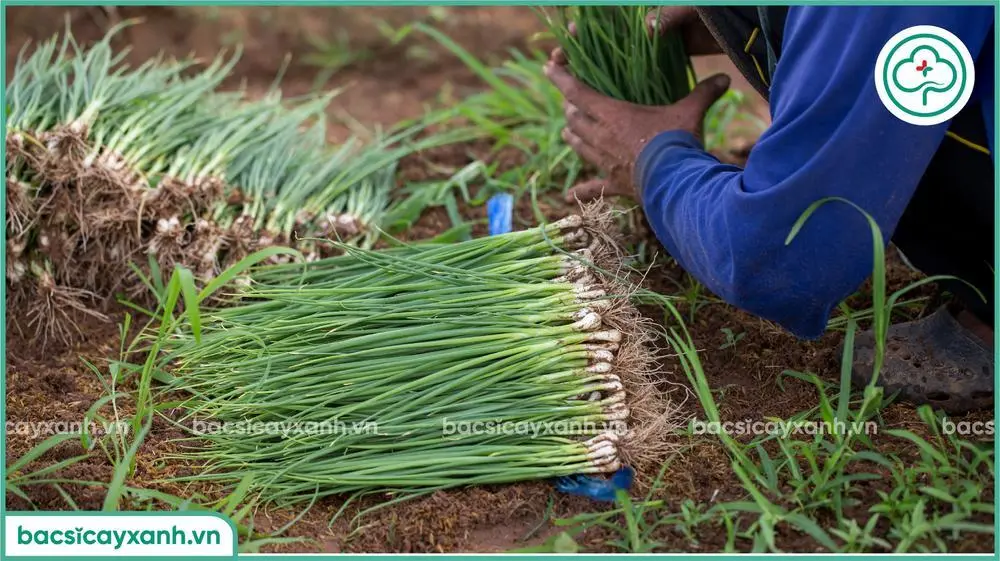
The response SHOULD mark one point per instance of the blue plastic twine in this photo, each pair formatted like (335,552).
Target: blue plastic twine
(594,487)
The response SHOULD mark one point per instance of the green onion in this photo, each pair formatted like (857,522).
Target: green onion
(399,351)
(155,162)
(613,52)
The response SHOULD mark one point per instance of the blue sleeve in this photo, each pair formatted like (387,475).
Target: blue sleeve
(830,136)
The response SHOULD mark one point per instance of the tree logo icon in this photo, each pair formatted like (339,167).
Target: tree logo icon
(924,75)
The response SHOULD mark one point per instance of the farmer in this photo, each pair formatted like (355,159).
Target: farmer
(929,188)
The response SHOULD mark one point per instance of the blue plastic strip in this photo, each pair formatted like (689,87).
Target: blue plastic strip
(500,211)
(596,488)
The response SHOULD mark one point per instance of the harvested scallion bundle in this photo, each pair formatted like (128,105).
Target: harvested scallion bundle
(420,368)
(613,52)
(109,164)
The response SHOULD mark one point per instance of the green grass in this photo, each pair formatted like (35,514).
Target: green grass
(730,116)
(520,110)
(330,56)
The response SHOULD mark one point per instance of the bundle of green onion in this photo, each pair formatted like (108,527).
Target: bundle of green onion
(107,164)
(612,51)
(419,368)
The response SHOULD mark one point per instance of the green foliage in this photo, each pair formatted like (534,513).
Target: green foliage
(730,115)
(520,110)
(614,52)
(731,338)
(332,56)
(166,121)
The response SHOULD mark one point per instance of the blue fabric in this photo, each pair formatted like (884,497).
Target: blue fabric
(989,113)
(830,136)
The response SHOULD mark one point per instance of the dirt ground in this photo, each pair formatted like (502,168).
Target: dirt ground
(387,84)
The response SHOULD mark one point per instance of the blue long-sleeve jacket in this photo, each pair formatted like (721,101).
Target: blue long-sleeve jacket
(830,136)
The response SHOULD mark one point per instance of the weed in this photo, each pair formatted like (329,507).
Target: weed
(332,56)
(731,338)
(730,115)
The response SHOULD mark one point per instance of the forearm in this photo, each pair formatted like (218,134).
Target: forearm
(733,240)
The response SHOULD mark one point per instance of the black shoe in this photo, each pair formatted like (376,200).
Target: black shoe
(933,360)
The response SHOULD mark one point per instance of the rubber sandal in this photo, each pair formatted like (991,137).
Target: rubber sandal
(933,360)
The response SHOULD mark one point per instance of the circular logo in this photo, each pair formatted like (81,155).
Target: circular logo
(924,75)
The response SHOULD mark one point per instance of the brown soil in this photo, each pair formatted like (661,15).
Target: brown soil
(390,83)
(395,83)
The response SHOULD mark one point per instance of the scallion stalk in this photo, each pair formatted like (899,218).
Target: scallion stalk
(613,52)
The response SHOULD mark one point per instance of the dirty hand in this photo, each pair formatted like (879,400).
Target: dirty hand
(610,134)
(697,39)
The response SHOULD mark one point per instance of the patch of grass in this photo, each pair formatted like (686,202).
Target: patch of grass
(637,526)
(692,294)
(941,496)
(330,56)
(728,117)
(18,477)
(520,112)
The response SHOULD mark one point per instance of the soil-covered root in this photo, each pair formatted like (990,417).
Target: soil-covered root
(175,197)
(111,198)
(59,246)
(169,242)
(22,149)
(15,262)
(20,206)
(49,311)
(648,414)
(240,240)
(14,146)
(206,251)
(65,149)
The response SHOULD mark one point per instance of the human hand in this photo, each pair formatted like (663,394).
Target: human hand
(610,134)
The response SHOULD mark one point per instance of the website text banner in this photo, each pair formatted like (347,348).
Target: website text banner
(118,535)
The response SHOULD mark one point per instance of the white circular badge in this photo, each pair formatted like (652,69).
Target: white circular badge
(924,75)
